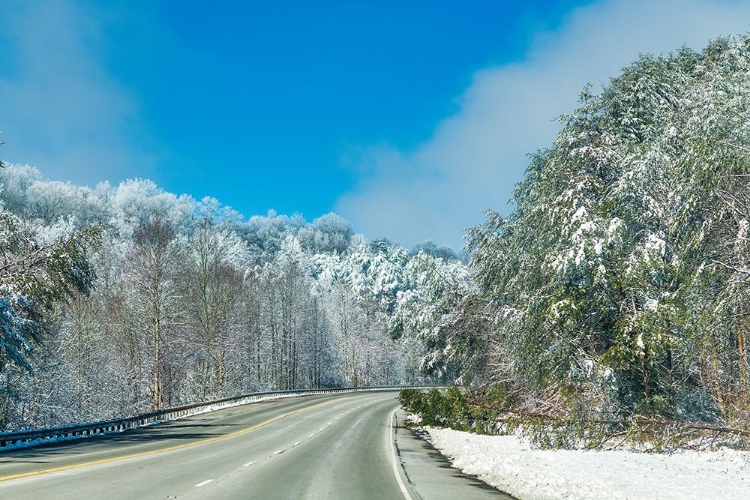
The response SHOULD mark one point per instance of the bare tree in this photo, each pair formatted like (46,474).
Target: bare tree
(155,302)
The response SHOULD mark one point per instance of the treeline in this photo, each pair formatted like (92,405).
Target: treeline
(184,300)
(615,291)
(618,288)
(633,284)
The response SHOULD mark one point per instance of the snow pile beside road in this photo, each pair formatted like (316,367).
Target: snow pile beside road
(511,465)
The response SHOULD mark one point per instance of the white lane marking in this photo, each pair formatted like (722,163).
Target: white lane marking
(278,452)
(204,483)
(249,464)
(394,458)
(298,443)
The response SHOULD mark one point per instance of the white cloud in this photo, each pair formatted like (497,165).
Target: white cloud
(475,158)
(60,109)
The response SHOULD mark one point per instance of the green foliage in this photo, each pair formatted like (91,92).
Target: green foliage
(457,408)
(439,407)
(620,279)
(36,274)
(496,409)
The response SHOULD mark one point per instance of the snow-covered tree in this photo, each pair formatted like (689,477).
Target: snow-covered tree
(40,269)
(619,274)
(216,263)
(155,307)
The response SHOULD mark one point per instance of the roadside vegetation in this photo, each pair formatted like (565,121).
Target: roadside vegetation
(613,300)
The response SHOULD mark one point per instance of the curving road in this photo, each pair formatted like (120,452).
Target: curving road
(327,447)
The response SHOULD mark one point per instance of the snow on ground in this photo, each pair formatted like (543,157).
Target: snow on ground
(511,465)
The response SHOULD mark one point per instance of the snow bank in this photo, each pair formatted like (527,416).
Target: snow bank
(511,465)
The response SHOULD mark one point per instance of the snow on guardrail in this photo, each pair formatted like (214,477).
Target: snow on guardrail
(34,437)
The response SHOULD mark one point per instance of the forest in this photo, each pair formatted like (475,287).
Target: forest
(615,291)
(120,300)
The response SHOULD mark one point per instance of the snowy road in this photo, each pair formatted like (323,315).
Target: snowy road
(325,447)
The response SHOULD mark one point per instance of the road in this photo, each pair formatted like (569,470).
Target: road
(314,447)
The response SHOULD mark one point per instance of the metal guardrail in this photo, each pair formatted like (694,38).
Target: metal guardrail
(34,437)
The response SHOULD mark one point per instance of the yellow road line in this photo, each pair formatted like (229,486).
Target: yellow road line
(163,450)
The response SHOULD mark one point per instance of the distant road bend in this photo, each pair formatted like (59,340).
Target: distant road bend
(337,446)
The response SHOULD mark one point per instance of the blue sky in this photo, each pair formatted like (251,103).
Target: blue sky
(407,118)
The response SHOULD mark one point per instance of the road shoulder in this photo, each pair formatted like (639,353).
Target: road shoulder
(429,475)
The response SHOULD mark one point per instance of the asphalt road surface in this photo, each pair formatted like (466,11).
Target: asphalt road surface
(343,446)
